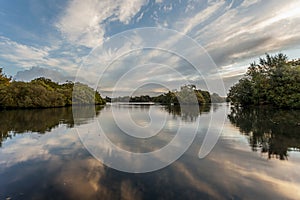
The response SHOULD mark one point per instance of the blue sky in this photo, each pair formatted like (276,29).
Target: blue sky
(53,37)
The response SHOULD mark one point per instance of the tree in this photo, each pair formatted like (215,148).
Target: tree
(44,93)
(4,80)
(215,98)
(188,94)
(241,93)
(275,81)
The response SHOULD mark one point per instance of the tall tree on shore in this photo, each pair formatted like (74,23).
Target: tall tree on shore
(274,80)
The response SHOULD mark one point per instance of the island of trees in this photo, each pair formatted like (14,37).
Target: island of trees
(273,81)
(44,93)
(188,94)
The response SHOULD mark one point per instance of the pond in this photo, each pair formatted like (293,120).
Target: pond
(44,153)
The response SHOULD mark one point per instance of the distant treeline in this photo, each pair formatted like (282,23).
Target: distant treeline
(44,93)
(274,81)
(188,94)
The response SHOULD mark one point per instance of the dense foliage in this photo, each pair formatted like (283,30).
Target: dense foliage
(188,94)
(274,81)
(215,98)
(43,93)
(142,98)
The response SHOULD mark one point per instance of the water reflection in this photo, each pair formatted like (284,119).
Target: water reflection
(57,166)
(189,113)
(273,132)
(42,120)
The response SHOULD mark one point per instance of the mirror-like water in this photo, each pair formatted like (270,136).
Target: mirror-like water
(257,155)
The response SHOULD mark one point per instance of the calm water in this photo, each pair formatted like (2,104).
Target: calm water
(257,155)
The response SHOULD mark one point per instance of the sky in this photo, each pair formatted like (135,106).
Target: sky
(56,38)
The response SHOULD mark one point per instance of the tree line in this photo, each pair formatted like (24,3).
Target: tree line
(274,81)
(188,94)
(44,93)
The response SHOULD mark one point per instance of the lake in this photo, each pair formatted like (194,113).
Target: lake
(47,154)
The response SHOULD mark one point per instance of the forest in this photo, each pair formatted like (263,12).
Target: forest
(273,81)
(44,93)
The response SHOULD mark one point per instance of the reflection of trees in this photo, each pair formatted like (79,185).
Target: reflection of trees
(187,112)
(272,131)
(41,120)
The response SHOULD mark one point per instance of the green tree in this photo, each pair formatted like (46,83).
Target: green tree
(4,80)
(275,81)
(44,93)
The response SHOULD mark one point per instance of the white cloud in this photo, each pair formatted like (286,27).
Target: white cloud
(168,8)
(26,56)
(139,17)
(248,31)
(84,22)
(232,32)
(200,17)
(11,48)
(249,3)
(129,8)
(162,48)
